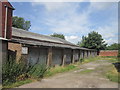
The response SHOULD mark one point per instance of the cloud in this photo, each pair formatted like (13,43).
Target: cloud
(72,20)
(49,6)
(99,6)
(64,0)
(64,18)
(73,39)
(111,41)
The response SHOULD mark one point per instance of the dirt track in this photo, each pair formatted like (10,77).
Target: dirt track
(89,75)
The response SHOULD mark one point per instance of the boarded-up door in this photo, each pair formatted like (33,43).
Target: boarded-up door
(37,55)
(68,53)
(57,56)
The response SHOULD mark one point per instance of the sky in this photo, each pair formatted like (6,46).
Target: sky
(73,19)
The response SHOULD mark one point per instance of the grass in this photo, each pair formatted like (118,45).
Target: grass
(113,75)
(110,58)
(19,83)
(91,59)
(52,71)
(59,69)
(86,71)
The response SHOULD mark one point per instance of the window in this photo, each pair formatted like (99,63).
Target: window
(24,50)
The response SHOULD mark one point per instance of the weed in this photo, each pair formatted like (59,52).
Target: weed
(53,71)
(86,71)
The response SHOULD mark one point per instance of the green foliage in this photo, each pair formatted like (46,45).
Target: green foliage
(93,41)
(11,70)
(19,83)
(113,46)
(58,35)
(38,71)
(81,60)
(53,71)
(19,22)
(113,75)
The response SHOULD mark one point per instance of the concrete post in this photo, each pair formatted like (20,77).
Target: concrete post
(64,57)
(83,54)
(95,53)
(79,55)
(92,53)
(88,54)
(49,60)
(73,56)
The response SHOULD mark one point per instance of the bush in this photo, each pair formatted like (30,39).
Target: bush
(38,71)
(11,70)
(81,60)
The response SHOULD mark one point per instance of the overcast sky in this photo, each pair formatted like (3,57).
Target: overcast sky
(73,19)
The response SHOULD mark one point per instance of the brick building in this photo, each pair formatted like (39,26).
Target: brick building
(5,26)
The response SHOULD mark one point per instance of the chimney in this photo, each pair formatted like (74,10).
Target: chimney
(6,10)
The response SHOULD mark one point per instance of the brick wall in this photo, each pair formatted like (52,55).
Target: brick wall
(15,47)
(9,19)
(108,53)
(0,19)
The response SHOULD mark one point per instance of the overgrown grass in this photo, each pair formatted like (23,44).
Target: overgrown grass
(110,58)
(59,69)
(19,83)
(18,73)
(113,75)
(91,59)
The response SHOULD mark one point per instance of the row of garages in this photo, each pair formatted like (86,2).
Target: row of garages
(57,56)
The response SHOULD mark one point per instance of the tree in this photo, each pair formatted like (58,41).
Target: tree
(93,41)
(19,22)
(58,35)
(113,46)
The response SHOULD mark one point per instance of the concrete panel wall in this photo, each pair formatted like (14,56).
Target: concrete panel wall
(76,56)
(85,54)
(37,55)
(4,51)
(81,54)
(68,53)
(57,56)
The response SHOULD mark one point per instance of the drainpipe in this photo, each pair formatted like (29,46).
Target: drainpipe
(6,20)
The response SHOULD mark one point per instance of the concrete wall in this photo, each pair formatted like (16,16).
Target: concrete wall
(49,55)
(81,54)
(4,51)
(57,56)
(76,56)
(68,53)
(37,55)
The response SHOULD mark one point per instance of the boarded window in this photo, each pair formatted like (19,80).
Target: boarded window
(24,50)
